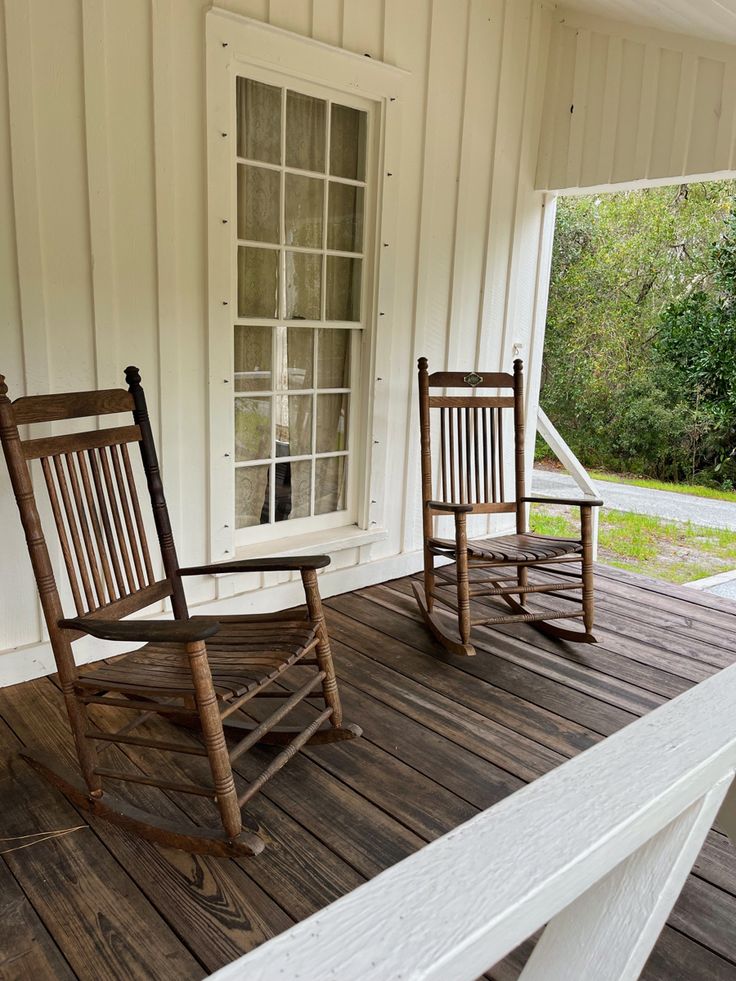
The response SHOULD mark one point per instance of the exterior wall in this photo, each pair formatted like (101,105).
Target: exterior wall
(628,103)
(103,255)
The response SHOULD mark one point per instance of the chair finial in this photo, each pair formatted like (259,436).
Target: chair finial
(132,376)
(422,364)
(3,387)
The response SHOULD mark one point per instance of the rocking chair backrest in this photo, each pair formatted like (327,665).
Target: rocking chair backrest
(471,439)
(90,482)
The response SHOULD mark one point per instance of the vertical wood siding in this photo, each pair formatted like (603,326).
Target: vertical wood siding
(103,251)
(628,103)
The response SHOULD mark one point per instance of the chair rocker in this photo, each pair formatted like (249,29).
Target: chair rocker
(212,675)
(472,481)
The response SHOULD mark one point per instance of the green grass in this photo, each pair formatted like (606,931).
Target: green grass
(670,550)
(696,490)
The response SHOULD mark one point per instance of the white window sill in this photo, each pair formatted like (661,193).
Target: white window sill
(313,543)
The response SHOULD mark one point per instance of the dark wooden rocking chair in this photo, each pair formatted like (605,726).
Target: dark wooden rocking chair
(198,671)
(471,433)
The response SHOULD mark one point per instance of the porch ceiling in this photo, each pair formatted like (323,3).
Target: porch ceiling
(714,20)
(444,737)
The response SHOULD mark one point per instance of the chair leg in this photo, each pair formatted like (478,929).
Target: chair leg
(429,579)
(586,535)
(463,587)
(214,740)
(522,577)
(86,750)
(323,653)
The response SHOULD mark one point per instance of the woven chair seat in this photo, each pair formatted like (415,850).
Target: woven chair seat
(510,548)
(241,656)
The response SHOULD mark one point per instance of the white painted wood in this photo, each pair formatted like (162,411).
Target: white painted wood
(539,324)
(727,814)
(106,250)
(570,462)
(664,111)
(713,19)
(610,930)
(24,620)
(456,907)
(97,123)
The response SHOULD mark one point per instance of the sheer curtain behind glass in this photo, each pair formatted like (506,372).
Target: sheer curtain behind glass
(292,382)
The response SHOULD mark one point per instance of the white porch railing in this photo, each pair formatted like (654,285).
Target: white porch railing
(599,849)
(570,462)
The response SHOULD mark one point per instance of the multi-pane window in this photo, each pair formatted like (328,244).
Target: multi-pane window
(300,275)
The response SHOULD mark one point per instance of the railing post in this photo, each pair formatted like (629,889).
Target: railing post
(610,930)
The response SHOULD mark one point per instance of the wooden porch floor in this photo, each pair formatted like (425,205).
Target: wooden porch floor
(443,739)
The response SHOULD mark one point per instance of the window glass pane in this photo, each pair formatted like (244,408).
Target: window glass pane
(258,282)
(347,142)
(252,428)
(293,489)
(329,484)
(343,288)
(251,496)
(258,204)
(305,132)
(303,211)
(295,357)
(333,358)
(293,425)
(252,359)
(332,423)
(258,109)
(303,286)
(345,218)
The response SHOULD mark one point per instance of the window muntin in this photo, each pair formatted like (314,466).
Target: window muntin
(301,188)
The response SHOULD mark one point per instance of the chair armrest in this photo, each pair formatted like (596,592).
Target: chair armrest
(178,631)
(583,502)
(450,508)
(286,563)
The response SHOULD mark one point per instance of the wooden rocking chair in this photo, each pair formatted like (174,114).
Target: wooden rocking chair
(472,482)
(199,671)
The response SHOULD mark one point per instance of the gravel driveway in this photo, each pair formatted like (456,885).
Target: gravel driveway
(643,500)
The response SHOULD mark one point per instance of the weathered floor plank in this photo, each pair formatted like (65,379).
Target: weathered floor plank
(443,738)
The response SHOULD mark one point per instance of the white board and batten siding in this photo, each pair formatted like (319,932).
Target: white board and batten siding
(103,177)
(104,253)
(628,103)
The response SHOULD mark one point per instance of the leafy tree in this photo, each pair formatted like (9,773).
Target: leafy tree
(639,281)
(697,337)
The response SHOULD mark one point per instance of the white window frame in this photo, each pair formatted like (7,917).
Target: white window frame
(239,46)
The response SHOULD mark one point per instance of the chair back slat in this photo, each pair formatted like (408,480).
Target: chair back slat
(471,437)
(101,507)
(71,518)
(499,455)
(133,494)
(63,537)
(91,506)
(71,405)
(34,449)
(115,511)
(130,528)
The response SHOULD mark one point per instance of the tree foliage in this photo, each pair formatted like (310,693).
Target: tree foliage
(640,355)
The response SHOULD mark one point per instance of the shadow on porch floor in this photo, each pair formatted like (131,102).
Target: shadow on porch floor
(444,737)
